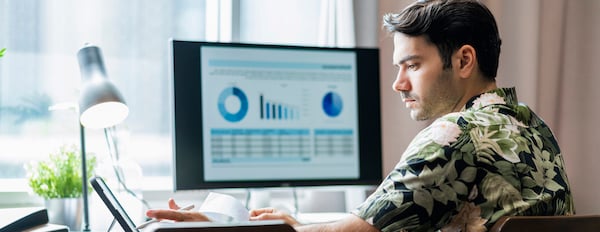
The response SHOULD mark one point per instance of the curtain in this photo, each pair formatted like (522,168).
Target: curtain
(577,105)
(336,24)
(219,21)
(552,56)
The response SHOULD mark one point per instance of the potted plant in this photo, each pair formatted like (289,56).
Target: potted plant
(58,180)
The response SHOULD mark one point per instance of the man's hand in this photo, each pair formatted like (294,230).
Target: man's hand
(272,214)
(173,213)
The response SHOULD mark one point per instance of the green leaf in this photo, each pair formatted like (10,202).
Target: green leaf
(553,186)
(529,194)
(60,175)
(460,188)
(2,52)
(424,199)
(528,182)
(439,196)
(468,174)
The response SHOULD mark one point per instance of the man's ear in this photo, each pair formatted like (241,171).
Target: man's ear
(467,61)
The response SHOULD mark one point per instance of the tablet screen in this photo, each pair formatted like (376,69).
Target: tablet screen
(112,204)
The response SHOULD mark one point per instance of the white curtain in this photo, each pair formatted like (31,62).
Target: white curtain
(336,24)
(219,23)
(558,77)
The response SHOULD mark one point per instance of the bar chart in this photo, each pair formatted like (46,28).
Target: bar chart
(277,110)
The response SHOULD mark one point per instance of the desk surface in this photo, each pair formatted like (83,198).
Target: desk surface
(312,218)
(48,228)
(250,226)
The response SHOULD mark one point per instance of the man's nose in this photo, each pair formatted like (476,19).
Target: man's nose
(401,83)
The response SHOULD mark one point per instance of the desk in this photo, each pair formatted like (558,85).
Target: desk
(262,226)
(48,228)
(251,226)
(313,218)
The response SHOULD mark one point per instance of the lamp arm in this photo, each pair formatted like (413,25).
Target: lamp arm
(84,187)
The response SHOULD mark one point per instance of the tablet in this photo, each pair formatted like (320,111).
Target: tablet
(113,204)
(128,225)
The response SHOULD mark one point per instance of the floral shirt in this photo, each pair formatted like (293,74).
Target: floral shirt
(467,169)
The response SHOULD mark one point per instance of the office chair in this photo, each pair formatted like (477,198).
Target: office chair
(579,223)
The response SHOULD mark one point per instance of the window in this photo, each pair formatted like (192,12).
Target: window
(280,22)
(40,67)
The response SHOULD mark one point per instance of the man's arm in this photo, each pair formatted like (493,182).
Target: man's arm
(348,223)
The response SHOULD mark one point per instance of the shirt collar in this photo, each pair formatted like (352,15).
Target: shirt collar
(503,96)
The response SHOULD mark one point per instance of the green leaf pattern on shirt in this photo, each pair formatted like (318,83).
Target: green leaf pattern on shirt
(469,168)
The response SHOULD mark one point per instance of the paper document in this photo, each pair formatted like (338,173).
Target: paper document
(224,208)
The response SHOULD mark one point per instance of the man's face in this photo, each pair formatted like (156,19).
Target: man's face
(426,88)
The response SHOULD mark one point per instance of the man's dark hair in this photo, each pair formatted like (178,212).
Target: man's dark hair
(450,24)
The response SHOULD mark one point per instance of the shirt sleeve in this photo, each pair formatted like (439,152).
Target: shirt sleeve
(426,187)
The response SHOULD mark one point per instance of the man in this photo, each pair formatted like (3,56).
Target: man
(484,156)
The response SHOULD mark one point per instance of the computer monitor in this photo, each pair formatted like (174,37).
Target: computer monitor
(252,115)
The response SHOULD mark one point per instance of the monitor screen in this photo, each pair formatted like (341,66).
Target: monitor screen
(251,115)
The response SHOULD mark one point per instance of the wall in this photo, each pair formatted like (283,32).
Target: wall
(577,111)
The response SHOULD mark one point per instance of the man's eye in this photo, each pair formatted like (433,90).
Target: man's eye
(411,66)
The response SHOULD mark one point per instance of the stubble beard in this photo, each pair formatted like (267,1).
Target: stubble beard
(439,100)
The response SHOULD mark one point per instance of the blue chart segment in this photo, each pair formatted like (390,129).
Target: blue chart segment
(273,110)
(243,104)
(332,104)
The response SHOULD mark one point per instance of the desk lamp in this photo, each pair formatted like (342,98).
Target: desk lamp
(100,106)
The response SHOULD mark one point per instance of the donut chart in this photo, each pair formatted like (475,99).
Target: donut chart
(225,97)
(332,104)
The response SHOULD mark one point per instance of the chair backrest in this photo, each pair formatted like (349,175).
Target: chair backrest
(580,223)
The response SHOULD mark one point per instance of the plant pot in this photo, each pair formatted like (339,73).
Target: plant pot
(65,211)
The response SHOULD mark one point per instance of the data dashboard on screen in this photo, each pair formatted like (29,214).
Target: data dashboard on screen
(255,115)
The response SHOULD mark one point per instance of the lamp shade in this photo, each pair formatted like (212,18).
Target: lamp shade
(100,102)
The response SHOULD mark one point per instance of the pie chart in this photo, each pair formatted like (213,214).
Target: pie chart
(233,104)
(332,104)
